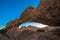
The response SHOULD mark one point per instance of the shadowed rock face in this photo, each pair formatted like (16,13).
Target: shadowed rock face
(50,12)
(16,34)
(47,12)
(31,35)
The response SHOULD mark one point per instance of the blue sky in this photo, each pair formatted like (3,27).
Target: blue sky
(11,9)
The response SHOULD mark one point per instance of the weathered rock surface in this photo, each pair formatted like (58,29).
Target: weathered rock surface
(16,34)
(23,18)
(48,12)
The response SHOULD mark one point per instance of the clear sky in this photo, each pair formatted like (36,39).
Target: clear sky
(11,9)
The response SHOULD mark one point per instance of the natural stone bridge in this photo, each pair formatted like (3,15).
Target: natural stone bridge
(47,12)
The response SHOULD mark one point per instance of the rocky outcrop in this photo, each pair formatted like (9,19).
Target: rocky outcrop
(29,34)
(49,12)
(13,32)
(18,21)
(13,23)
(26,12)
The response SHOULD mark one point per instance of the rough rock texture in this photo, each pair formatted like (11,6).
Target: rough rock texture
(18,21)
(31,35)
(16,34)
(26,13)
(48,12)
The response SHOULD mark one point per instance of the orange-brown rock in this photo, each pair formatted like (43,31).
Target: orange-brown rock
(13,23)
(18,21)
(26,13)
(49,12)
(29,32)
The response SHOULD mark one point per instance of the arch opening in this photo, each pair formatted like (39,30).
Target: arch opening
(39,25)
